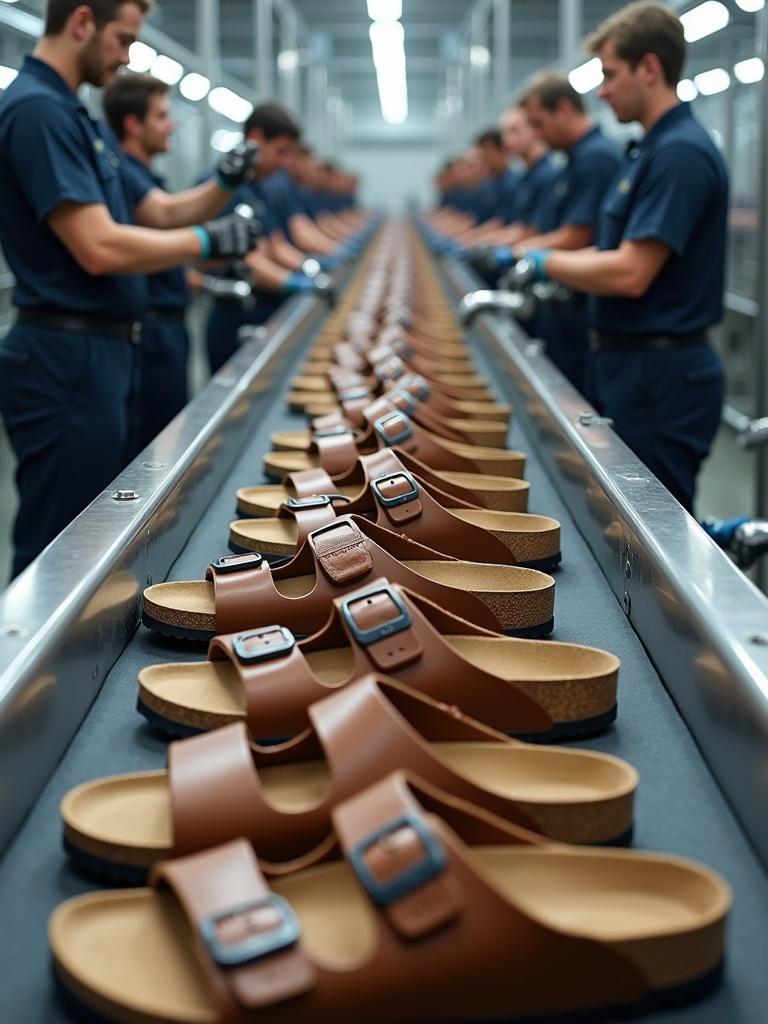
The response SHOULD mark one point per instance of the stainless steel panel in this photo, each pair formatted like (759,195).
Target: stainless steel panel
(67,618)
(704,625)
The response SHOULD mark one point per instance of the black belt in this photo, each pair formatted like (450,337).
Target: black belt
(599,340)
(166,312)
(77,323)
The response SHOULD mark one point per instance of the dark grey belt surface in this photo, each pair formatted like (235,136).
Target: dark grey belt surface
(76,323)
(599,340)
(166,312)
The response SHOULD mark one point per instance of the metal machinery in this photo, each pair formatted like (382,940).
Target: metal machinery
(639,578)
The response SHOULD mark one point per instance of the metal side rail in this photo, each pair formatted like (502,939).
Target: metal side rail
(67,618)
(703,624)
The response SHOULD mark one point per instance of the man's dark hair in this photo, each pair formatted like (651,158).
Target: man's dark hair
(550,88)
(642,28)
(58,12)
(272,120)
(130,94)
(490,137)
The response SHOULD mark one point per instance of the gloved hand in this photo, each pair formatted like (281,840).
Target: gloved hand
(320,285)
(231,235)
(528,270)
(490,260)
(236,165)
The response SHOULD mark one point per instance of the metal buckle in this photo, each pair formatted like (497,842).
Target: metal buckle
(314,501)
(134,333)
(400,499)
(405,433)
(285,934)
(366,637)
(350,394)
(331,431)
(413,877)
(246,656)
(416,387)
(401,395)
(236,563)
(391,368)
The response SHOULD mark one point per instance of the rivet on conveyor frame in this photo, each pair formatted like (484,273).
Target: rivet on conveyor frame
(534,348)
(591,419)
(126,496)
(14,631)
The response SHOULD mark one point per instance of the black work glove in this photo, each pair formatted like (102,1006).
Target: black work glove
(236,165)
(231,235)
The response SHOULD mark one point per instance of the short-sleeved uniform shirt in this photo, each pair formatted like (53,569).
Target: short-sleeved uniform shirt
(673,187)
(53,152)
(280,196)
(534,192)
(168,289)
(506,194)
(581,185)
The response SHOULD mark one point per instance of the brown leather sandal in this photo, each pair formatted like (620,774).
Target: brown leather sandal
(538,690)
(437,910)
(242,592)
(502,494)
(220,787)
(403,501)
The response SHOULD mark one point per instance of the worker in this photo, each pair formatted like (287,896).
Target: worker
(68,235)
(658,268)
(138,110)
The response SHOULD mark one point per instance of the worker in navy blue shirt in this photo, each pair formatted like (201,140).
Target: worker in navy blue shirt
(657,272)
(569,219)
(137,108)
(66,229)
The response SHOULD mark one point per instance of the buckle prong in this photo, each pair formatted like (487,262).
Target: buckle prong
(412,877)
(248,656)
(285,934)
(366,637)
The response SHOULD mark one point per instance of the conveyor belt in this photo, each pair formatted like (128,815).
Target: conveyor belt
(680,808)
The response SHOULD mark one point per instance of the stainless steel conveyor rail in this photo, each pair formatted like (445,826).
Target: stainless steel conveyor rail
(680,808)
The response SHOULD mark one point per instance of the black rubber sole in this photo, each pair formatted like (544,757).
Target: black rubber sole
(661,999)
(538,632)
(582,728)
(195,636)
(179,731)
(104,870)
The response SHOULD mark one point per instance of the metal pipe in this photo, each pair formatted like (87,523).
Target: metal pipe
(571,26)
(501,52)
(208,44)
(761,398)
(262,47)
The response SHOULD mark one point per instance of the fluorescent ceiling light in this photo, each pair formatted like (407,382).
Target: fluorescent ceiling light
(385,10)
(194,87)
(228,103)
(223,140)
(686,90)
(710,82)
(705,19)
(388,46)
(287,60)
(167,69)
(7,75)
(587,77)
(141,57)
(749,71)
(750,6)
(479,56)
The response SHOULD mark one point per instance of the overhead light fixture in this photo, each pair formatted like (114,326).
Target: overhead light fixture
(7,75)
(749,71)
(711,82)
(385,10)
(587,77)
(388,46)
(228,103)
(705,19)
(141,57)
(750,6)
(223,139)
(288,60)
(686,90)
(479,56)
(166,69)
(194,87)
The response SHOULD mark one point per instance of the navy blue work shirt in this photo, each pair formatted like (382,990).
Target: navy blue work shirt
(167,289)
(534,192)
(506,186)
(673,187)
(282,200)
(53,152)
(581,185)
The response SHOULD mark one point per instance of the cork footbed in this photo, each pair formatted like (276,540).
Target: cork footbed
(569,681)
(439,363)
(492,461)
(465,381)
(529,538)
(518,597)
(570,795)
(500,493)
(489,411)
(128,955)
(481,432)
